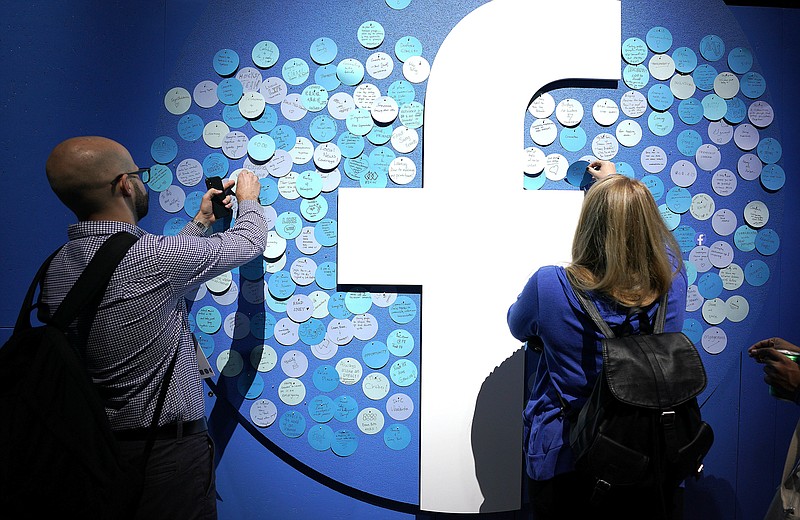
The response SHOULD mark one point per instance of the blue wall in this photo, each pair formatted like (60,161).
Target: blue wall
(85,67)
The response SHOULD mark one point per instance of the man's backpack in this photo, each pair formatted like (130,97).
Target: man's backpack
(58,455)
(641,426)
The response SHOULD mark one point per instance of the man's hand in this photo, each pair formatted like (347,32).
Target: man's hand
(247,186)
(206,214)
(779,370)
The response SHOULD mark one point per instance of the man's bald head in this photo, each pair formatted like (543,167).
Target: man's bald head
(80,171)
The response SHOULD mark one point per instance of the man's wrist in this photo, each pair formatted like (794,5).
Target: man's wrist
(201,223)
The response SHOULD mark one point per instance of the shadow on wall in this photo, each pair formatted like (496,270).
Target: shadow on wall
(498,393)
(710,498)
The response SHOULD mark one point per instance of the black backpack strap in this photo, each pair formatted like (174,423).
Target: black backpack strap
(24,317)
(94,279)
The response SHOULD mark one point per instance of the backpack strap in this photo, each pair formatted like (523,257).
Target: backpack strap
(24,316)
(93,281)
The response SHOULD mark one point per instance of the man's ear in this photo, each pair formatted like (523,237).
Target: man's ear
(126,186)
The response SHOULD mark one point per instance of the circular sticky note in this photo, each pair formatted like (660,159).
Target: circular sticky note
(371,34)
(682,86)
(690,111)
(753,85)
(542,106)
(767,242)
(724,222)
(345,443)
(659,39)
(265,54)
(403,310)
(633,103)
(295,71)
(225,62)
(738,308)
(407,47)
(263,413)
(714,340)
(320,437)
(399,406)
(712,47)
(685,60)
(292,424)
(177,101)
(403,372)
(732,277)
(230,363)
(397,437)
(569,112)
(745,238)
(375,386)
(325,377)
(773,177)
(634,50)
(653,159)
(629,133)
(263,358)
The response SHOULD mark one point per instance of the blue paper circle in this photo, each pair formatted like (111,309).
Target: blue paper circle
(174,226)
(693,330)
(684,235)
(295,71)
(710,285)
(344,443)
(323,128)
(704,76)
(281,285)
(265,54)
(397,437)
(230,91)
(773,177)
(740,60)
(320,437)
(325,378)
(690,111)
(262,325)
(403,310)
(269,191)
(355,168)
(533,182)
(380,135)
(350,72)
(670,218)
(407,47)
(679,200)
(326,77)
(190,127)
(292,424)
(736,112)
(215,164)
(192,203)
(314,210)
(284,136)
(745,238)
(205,341)
(164,149)
(401,91)
(326,233)
(375,355)
(350,145)
(714,107)
(572,139)
(660,123)
(655,185)
(250,385)
(253,270)
(769,151)
(208,319)
(312,331)
(346,408)
(321,408)
(756,273)
(753,85)
(400,342)
(337,307)
(226,61)
(636,76)
(660,97)
(261,147)
(323,50)
(634,50)
(233,117)
(712,47)
(266,121)
(767,241)
(688,142)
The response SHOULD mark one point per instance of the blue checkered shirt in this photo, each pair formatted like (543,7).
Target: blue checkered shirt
(142,318)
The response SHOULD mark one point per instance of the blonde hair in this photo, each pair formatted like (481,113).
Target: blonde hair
(622,248)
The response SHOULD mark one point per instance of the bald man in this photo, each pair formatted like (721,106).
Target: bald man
(142,320)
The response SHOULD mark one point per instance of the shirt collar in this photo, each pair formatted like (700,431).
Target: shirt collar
(87,228)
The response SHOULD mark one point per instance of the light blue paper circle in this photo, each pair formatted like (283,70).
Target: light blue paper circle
(314,98)
(350,72)
(326,233)
(397,437)
(407,47)
(403,310)
(660,123)
(380,135)
(265,54)
(400,342)
(312,331)
(684,235)
(358,302)
(403,372)
(371,34)
(572,139)
(533,182)
(160,179)
(321,408)
(679,200)
(174,226)
(769,151)
(269,191)
(350,145)
(309,184)
(685,60)
(745,238)
(693,330)
(261,147)
(281,286)
(577,175)
(288,225)
(660,97)
(345,443)
(323,128)
(208,319)
(402,92)
(634,51)
(323,50)
(250,385)
(314,210)
(714,107)
(398,4)
(659,39)
(375,355)
(767,242)
(337,307)
(411,114)
(266,121)
(295,71)
(192,203)
(625,169)
(636,77)
(359,121)
(671,219)
(380,158)
(326,77)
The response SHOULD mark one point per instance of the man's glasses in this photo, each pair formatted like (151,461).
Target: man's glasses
(143,173)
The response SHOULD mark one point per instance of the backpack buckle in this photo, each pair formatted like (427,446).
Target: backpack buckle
(601,487)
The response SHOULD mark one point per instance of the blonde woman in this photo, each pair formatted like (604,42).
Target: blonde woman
(623,256)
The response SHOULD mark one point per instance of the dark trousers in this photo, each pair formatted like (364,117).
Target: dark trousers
(568,496)
(179,480)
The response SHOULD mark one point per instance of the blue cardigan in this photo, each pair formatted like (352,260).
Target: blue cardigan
(571,361)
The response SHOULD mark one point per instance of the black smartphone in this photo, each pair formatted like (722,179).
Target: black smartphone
(220,211)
